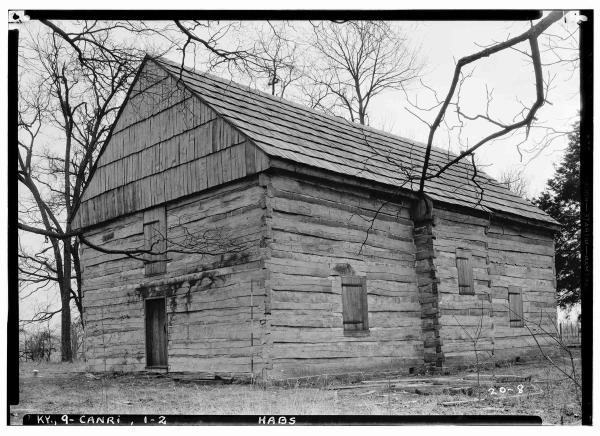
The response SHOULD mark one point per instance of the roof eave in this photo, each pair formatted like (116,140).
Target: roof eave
(300,168)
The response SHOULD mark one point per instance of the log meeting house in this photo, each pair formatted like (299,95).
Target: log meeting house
(233,233)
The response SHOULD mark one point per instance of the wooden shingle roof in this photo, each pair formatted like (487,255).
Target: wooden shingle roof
(289,131)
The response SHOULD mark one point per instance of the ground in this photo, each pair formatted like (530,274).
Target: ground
(67,388)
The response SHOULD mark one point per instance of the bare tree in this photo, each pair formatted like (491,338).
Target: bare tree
(474,339)
(523,119)
(38,345)
(211,39)
(515,181)
(277,64)
(447,113)
(264,54)
(355,62)
(72,105)
(79,100)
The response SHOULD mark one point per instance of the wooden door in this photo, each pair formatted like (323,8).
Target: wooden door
(156,333)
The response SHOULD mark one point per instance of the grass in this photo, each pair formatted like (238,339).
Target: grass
(65,388)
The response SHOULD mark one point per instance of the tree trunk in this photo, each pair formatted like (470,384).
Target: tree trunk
(65,330)
(78,290)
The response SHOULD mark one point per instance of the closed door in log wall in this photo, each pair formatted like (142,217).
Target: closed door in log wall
(156,333)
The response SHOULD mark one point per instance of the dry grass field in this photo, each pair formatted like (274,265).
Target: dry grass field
(67,388)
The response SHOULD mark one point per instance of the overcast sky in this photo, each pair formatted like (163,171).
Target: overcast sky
(510,76)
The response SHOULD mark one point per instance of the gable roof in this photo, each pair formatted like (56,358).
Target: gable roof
(289,131)
(161,148)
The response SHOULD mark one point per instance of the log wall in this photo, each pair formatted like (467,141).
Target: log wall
(215,303)
(501,256)
(315,234)
(522,257)
(274,309)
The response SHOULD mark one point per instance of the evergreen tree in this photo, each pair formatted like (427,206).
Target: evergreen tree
(561,200)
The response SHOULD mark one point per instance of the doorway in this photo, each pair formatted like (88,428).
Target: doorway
(156,333)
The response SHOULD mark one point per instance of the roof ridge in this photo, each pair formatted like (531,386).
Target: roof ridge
(335,118)
(245,87)
(304,115)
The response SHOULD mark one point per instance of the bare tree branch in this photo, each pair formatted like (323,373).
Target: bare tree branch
(530,35)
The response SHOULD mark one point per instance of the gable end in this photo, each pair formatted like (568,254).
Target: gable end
(166,143)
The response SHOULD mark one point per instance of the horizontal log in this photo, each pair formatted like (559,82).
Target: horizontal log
(339,194)
(399,335)
(240,364)
(340,350)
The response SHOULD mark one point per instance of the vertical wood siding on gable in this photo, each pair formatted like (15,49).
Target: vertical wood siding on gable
(165,145)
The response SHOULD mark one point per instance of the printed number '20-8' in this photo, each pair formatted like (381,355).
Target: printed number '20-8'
(503,390)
